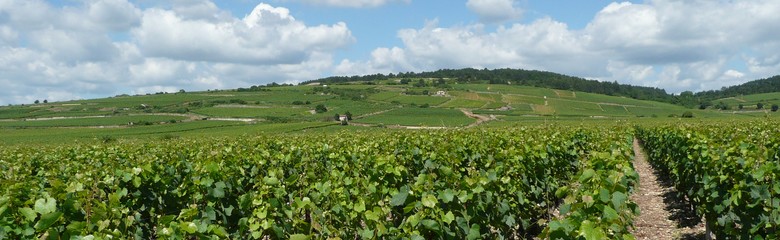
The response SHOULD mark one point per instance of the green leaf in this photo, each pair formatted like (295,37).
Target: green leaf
(299,237)
(219,190)
(447,196)
(473,232)
(448,218)
(564,208)
(372,215)
(587,174)
(47,220)
(273,181)
(400,197)
(430,224)
(589,231)
(219,231)
(562,192)
(367,234)
(360,206)
(44,206)
(610,214)
(28,214)
(619,200)
(188,227)
(429,200)
(604,195)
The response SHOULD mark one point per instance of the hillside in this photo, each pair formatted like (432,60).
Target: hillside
(519,77)
(420,103)
(543,79)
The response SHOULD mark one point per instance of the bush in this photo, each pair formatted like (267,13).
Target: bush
(107,139)
(687,114)
(237,101)
(774,107)
(320,108)
(297,103)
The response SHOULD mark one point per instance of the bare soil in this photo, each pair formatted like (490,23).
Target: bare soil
(664,215)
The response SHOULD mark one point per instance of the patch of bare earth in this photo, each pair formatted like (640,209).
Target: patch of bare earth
(663,215)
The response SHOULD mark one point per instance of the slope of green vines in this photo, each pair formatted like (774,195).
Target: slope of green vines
(728,172)
(420,185)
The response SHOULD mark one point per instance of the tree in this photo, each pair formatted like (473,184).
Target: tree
(320,108)
(45,101)
(740,106)
(722,106)
(337,117)
(687,114)
(405,81)
(760,106)
(774,107)
(420,83)
(349,115)
(36,101)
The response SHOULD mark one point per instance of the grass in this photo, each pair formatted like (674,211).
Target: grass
(258,112)
(92,121)
(463,103)
(65,135)
(418,100)
(430,117)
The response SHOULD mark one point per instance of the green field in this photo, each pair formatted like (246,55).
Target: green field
(288,109)
(93,121)
(428,117)
(256,112)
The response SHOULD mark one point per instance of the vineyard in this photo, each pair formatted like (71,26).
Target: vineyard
(727,172)
(526,182)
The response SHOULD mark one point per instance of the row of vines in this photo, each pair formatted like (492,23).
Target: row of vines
(728,173)
(416,184)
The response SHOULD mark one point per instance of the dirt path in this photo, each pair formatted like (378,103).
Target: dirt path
(662,214)
(480,118)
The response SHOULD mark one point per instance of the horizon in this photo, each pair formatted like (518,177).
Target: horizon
(83,49)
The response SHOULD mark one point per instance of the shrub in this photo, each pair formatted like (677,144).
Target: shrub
(320,108)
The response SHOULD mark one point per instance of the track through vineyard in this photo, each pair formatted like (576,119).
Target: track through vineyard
(655,220)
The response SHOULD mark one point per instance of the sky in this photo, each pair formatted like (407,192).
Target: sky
(78,49)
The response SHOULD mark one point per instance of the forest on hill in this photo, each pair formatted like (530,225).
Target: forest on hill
(553,80)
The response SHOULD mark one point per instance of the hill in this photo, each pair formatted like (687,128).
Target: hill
(533,78)
(543,79)
(393,103)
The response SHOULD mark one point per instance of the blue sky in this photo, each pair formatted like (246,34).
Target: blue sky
(72,49)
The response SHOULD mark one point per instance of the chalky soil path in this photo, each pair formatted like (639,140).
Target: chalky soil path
(653,221)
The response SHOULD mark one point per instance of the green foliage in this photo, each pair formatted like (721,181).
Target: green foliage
(320,108)
(596,203)
(728,173)
(444,184)
(687,114)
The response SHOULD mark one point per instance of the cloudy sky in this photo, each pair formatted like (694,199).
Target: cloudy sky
(73,49)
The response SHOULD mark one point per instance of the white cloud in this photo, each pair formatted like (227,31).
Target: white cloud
(114,15)
(675,45)
(491,11)
(351,3)
(99,48)
(200,10)
(268,35)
